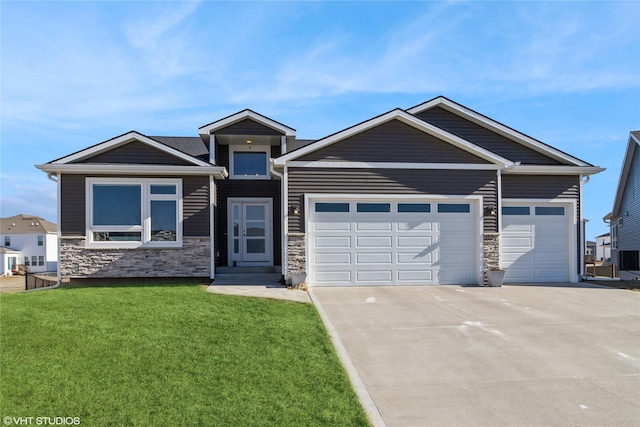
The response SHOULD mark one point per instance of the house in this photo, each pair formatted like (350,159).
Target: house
(28,240)
(624,218)
(603,247)
(434,194)
(590,251)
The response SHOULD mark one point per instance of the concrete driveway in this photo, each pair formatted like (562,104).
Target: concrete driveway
(512,356)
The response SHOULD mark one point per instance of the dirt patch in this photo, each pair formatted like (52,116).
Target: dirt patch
(632,285)
(11,284)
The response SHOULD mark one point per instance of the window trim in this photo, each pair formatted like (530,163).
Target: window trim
(40,240)
(7,241)
(249,148)
(145,227)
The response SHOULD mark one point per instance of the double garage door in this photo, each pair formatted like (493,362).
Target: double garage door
(384,242)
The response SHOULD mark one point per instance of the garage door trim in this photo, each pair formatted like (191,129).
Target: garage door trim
(476,205)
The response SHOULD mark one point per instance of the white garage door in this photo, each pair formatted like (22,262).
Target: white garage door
(536,242)
(366,243)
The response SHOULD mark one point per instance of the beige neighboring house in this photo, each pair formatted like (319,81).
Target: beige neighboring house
(28,240)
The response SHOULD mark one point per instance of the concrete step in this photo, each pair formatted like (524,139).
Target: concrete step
(262,279)
(248,270)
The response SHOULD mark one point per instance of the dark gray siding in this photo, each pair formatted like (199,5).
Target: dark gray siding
(222,154)
(546,187)
(247,127)
(389,181)
(195,208)
(136,153)
(393,141)
(248,188)
(629,231)
(484,137)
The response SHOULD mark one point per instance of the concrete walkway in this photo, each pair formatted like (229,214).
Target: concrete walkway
(512,356)
(261,291)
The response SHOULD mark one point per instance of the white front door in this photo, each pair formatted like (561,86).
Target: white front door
(250,232)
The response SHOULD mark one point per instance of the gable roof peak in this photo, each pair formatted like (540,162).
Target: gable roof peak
(247,113)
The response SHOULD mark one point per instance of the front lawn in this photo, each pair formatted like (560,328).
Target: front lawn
(169,356)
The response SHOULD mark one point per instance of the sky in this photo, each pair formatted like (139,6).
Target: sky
(77,73)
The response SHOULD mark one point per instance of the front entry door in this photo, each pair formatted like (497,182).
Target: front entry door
(250,231)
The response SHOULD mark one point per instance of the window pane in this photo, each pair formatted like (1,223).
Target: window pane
(40,260)
(249,163)
(256,229)
(163,221)
(255,246)
(453,207)
(34,260)
(332,207)
(163,189)
(26,261)
(40,240)
(255,213)
(117,236)
(115,204)
(549,210)
(7,240)
(414,207)
(374,207)
(515,210)
(236,246)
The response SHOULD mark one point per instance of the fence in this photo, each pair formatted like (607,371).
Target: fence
(40,280)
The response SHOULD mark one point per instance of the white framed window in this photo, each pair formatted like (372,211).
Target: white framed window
(134,212)
(7,240)
(40,240)
(249,161)
(40,260)
(26,261)
(614,235)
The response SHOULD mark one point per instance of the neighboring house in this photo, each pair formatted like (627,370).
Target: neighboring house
(590,251)
(435,194)
(28,240)
(603,247)
(624,218)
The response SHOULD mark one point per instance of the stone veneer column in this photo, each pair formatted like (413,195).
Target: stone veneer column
(78,261)
(297,261)
(491,252)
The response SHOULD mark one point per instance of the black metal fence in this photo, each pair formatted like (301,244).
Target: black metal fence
(40,280)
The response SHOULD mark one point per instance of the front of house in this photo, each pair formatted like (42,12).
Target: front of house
(436,194)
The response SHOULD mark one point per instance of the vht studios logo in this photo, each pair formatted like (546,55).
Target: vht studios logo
(41,421)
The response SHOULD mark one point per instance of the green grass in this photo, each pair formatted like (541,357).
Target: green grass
(169,356)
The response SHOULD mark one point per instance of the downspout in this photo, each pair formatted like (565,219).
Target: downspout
(284,252)
(58,273)
(212,197)
(583,237)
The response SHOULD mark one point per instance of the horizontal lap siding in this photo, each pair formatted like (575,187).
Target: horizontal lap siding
(392,182)
(195,206)
(393,141)
(484,137)
(136,153)
(247,127)
(629,231)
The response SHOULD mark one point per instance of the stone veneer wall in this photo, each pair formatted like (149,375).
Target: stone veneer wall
(491,252)
(296,262)
(78,261)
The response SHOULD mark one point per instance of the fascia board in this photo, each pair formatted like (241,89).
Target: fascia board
(219,172)
(552,170)
(407,119)
(124,139)
(497,127)
(246,114)
(624,172)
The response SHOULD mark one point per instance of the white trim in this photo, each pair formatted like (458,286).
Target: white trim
(212,150)
(249,148)
(478,201)
(407,119)
(496,127)
(145,213)
(499,206)
(268,230)
(126,139)
(553,170)
(285,222)
(120,169)
(572,218)
(388,165)
(632,145)
(283,145)
(59,227)
(212,222)
(246,114)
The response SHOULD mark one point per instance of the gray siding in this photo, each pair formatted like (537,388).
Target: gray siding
(546,187)
(629,232)
(389,181)
(247,127)
(136,153)
(393,141)
(484,137)
(248,188)
(195,205)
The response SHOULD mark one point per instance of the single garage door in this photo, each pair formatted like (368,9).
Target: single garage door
(536,242)
(383,242)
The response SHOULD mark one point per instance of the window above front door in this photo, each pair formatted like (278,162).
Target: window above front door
(249,162)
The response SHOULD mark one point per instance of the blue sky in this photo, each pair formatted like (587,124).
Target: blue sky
(77,73)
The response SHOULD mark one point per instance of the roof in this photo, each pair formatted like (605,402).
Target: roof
(26,224)
(191,145)
(4,250)
(632,146)
(604,235)
(246,114)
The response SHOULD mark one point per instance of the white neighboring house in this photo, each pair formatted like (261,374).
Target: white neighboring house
(28,240)
(603,247)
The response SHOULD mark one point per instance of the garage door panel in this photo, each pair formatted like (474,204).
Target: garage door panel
(374,276)
(414,225)
(516,256)
(417,275)
(460,258)
(517,242)
(455,277)
(374,258)
(333,242)
(424,257)
(467,226)
(548,273)
(373,241)
(415,241)
(518,274)
(341,276)
(559,257)
(509,227)
(332,258)
(453,242)
(373,226)
(333,226)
